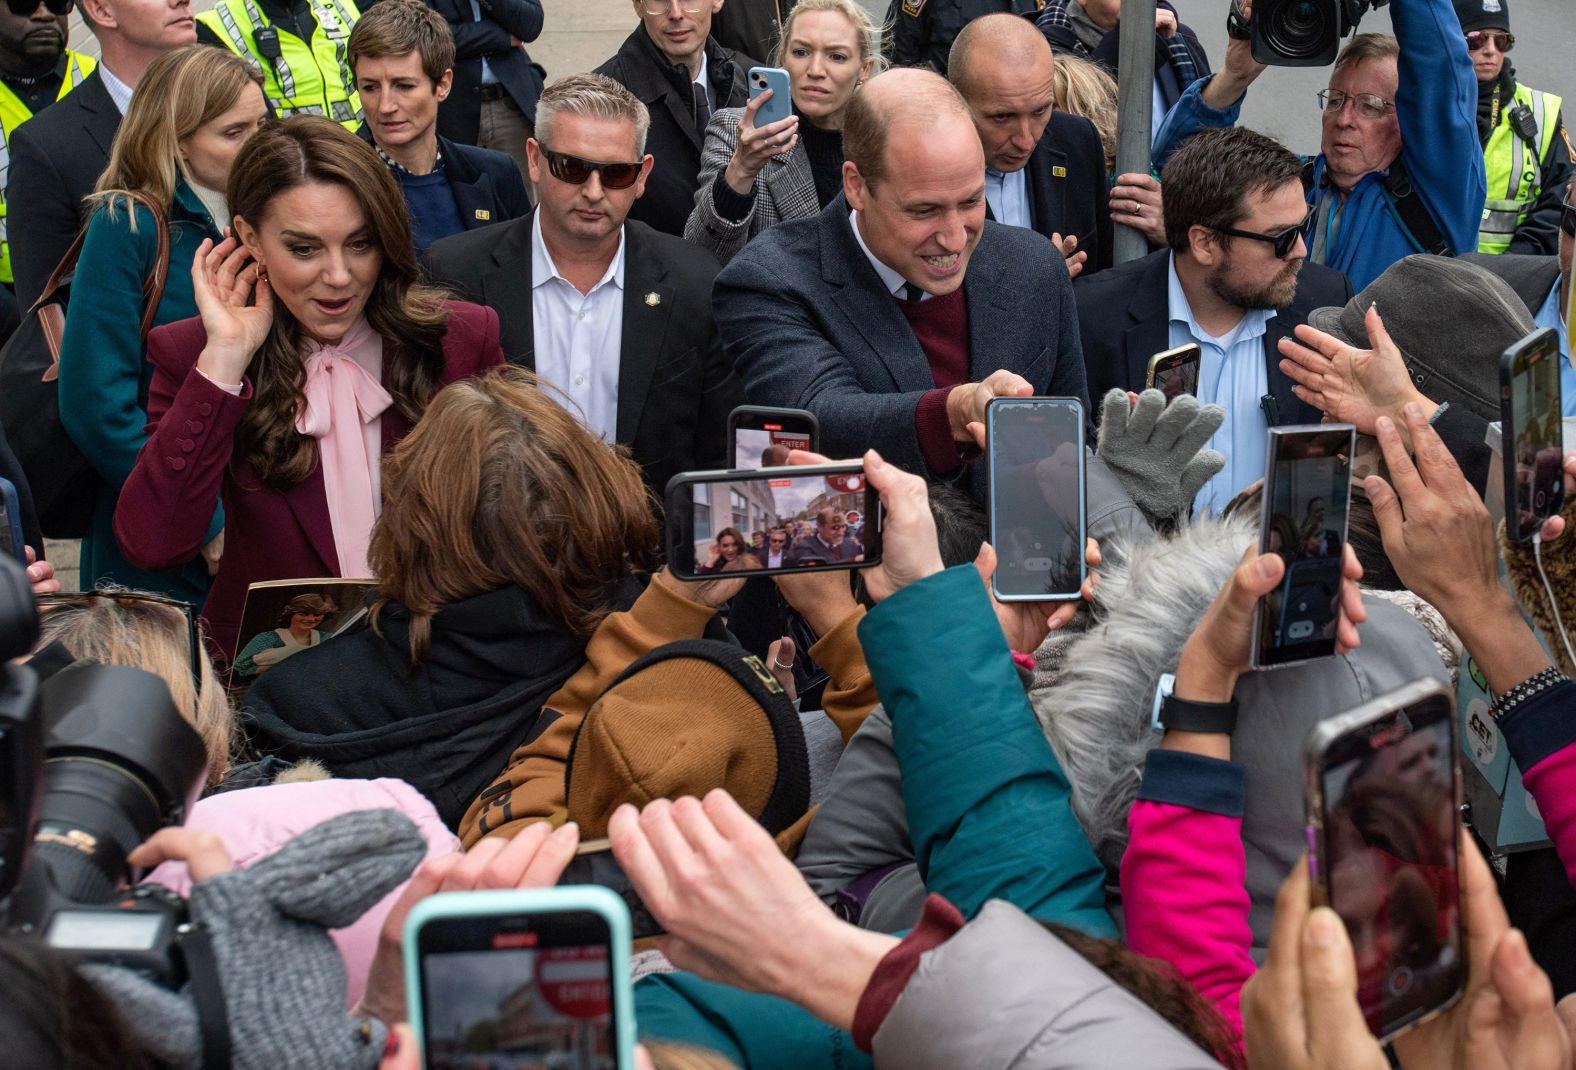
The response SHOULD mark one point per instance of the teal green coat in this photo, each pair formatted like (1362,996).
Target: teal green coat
(104,377)
(989,812)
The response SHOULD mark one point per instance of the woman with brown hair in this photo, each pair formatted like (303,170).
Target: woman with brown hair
(508,533)
(317,348)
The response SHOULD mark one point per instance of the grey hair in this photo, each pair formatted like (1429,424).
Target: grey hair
(595,96)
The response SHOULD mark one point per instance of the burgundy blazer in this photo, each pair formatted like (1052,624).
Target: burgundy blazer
(269,534)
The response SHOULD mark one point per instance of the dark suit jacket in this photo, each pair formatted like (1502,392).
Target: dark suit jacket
(56,158)
(1125,318)
(809,324)
(487,185)
(675,387)
(269,534)
(1068,191)
(674,141)
(459,117)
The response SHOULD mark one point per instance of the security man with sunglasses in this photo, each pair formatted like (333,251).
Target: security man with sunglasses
(615,314)
(36,69)
(1525,148)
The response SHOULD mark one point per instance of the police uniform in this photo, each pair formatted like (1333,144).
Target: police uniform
(1526,152)
(923,30)
(14,111)
(301,53)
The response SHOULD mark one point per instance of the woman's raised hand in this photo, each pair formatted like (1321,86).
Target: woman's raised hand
(237,308)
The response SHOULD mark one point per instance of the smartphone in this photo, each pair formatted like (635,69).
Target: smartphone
(1383,788)
(760,436)
(11,522)
(1307,491)
(1037,518)
(1175,371)
(781,104)
(810,518)
(594,864)
(521,978)
(1531,414)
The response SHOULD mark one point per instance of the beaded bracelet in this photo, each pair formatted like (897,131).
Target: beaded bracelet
(1533,685)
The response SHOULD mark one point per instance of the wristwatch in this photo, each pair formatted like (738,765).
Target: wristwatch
(1180,715)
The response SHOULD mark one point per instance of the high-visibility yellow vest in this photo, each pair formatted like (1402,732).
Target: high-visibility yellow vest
(1515,171)
(306,78)
(13,113)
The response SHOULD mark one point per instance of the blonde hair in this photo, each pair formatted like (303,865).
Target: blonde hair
(1366,47)
(116,626)
(1083,87)
(180,91)
(665,1056)
(867,29)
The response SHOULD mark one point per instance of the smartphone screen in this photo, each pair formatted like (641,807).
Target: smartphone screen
(1176,372)
(1533,438)
(518,992)
(1388,863)
(1306,493)
(1036,448)
(761,438)
(783,519)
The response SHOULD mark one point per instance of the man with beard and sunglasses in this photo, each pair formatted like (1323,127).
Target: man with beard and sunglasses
(1234,281)
(614,314)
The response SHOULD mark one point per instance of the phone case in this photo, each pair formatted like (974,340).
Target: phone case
(781,105)
(1317,745)
(590,898)
(1164,358)
(1507,418)
(737,417)
(994,406)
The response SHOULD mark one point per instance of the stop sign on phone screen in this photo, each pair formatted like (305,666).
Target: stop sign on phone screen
(574,982)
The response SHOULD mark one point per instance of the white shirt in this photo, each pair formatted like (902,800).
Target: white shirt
(1007,193)
(895,283)
(119,91)
(578,336)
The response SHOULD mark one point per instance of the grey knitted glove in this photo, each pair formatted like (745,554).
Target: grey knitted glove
(283,980)
(1157,450)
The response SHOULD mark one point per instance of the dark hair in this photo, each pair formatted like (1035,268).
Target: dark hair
(409,315)
(396,28)
(306,603)
(53,1018)
(1207,180)
(960,525)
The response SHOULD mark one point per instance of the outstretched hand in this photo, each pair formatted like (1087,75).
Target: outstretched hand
(1351,385)
(236,306)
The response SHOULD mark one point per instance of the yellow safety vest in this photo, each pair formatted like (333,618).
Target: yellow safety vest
(305,78)
(13,113)
(1515,172)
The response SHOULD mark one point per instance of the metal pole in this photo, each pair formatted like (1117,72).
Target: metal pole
(1135,108)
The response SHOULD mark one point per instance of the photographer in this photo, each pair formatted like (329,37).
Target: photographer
(1399,168)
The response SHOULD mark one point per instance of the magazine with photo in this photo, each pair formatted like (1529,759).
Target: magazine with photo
(281,618)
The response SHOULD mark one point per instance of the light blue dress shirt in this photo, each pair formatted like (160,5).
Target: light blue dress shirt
(1007,193)
(1232,375)
(1550,315)
(488,77)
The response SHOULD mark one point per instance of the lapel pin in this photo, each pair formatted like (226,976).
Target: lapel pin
(1059,172)
(483,214)
(653,299)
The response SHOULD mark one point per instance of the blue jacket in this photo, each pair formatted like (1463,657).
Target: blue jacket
(989,813)
(104,376)
(1436,104)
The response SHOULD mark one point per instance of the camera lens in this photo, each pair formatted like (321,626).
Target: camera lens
(1300,28)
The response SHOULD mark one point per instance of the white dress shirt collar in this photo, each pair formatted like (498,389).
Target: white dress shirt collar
(543,270)
(895,283)
(119,91)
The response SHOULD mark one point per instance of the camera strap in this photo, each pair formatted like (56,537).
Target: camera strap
(207,992)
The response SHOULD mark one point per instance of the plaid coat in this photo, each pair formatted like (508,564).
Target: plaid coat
(785,189)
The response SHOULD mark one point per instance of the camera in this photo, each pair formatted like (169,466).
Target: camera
(96,759)
(1298,33)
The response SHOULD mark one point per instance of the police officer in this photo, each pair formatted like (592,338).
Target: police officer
(299,45)
(36,69)
(1525,149)
(923,30)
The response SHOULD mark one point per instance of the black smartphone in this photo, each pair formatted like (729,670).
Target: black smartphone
(1307,491)
(1175,371)
(11,538)
(1035,448)
(760,437)
(594,864)
(1383,787)
(810,517)
(1531,432)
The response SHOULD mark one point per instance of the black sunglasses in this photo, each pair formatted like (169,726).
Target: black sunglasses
(1502,40)
(23,8)
(194,630)
(1284,242)
(574,170)
(1568,219)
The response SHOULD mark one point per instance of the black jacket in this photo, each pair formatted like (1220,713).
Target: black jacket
(1068,191)
(459,117)
(446,727)
(675,387)
(923,30)
(674,140)
(1124,318)
(56,158)
(751,27)
(487,185)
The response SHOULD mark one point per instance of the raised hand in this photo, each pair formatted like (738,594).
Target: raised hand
(1351,385)
(757,145)
(237,308)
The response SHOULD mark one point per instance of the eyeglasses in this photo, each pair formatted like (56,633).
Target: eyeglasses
(1502,40)
(1568,219)
(660,7)
(23,8)
(79,600)
(1284,241)
(575,171)
(1368,105)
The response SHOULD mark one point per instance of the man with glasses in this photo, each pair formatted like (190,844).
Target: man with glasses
(1522,131)
(683,76)
(614,314)
(1397,172)
(1234,281)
